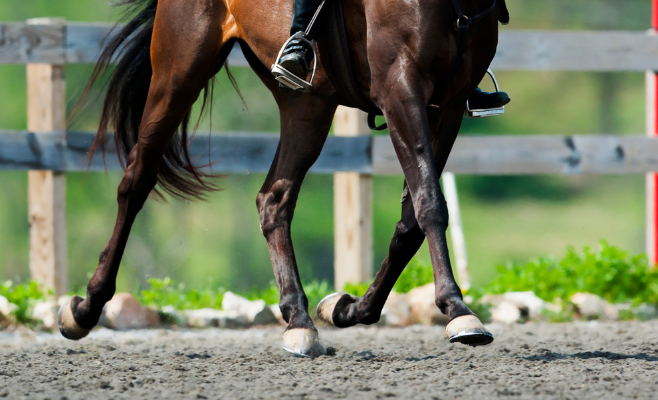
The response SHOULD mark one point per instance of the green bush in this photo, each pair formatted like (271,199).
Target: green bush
(24,296)
(414,275)
(165,292)
(609,272)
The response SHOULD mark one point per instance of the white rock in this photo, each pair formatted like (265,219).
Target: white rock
(277,314)
(6,307)
(46,312)
(422,305)
(527,302)
(124,312)
(209,317)
(256,312)
(506,312)
(592,306)
(396,310)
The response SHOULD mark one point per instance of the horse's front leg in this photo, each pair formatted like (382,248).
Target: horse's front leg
(404,97)
(305,124)
(407,238)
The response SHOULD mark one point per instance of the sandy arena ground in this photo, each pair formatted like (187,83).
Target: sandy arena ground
(580,360)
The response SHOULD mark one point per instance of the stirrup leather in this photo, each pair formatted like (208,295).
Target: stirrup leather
(486,112)
(288,78)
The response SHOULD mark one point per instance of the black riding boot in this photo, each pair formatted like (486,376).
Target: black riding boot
(479,100)
(298,55)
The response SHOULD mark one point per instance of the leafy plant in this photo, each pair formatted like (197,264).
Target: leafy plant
(24,296)
(413,276)
(165,292)
(609,272)
(356,289)
(270,294)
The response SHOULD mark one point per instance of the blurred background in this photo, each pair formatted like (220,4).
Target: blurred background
(218,242)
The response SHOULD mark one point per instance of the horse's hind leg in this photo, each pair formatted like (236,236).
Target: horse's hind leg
(182,64)
(344,310)
(301,142)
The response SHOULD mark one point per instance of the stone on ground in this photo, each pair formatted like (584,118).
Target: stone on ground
(526,303)
(277,314)
(6,308)
(124,312)
(170,315)
(591,306)
(46,312)
(396,310)
(256,312)
(506,312)
(209,317)
(422,305)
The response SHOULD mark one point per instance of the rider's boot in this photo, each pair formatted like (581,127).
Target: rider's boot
(297,58)
(298,55)
(479,100)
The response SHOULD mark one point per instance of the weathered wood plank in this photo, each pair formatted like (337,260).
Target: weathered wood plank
(535,50)
(523,155)
(230,153)
(84,42)
(21,43)
(538,50)
(252,153)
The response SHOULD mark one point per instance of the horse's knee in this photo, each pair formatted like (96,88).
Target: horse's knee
(276,206)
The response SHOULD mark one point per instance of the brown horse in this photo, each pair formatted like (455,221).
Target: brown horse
(402,52)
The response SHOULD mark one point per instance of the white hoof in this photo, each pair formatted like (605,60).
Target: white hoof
(303,343)
(327,306)
(67,325)
(468,329)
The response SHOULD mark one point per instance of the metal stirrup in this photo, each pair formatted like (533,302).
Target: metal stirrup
(288,78)
(487,112)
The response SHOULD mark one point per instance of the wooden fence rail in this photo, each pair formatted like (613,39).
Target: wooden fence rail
(353,155)
(243,152)
(534,50)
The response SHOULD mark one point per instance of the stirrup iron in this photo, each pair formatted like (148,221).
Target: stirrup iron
(288,78)
(486,112)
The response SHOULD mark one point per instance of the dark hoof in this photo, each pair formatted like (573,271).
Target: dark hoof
(468,329)
(327,306)
(67,325)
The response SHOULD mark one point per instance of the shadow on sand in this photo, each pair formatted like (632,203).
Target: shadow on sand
(552,356)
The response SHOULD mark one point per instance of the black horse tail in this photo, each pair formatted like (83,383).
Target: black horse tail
(125,101)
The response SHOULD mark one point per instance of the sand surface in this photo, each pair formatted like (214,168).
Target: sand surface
(580,360)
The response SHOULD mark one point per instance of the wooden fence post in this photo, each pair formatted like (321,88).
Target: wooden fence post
(47,189)
(352,210)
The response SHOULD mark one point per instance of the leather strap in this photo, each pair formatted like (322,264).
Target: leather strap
(340,60)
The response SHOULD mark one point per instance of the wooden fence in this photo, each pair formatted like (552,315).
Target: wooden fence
(353,155)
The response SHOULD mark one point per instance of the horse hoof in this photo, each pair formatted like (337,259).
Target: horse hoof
(327,306)
(468,329)
(303,343)
(67,325)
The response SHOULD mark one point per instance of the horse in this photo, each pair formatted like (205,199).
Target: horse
(404,53)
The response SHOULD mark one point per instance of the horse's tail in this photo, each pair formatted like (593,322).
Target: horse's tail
(125,101)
